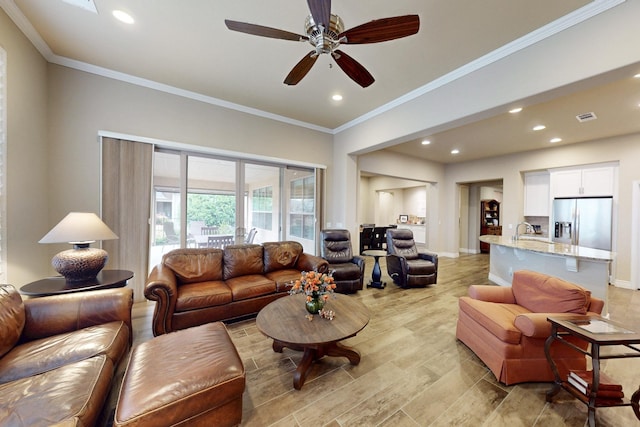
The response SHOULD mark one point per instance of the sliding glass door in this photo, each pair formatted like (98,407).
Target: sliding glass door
(205,201)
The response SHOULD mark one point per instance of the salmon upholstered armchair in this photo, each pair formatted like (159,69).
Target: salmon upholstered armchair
(506,327)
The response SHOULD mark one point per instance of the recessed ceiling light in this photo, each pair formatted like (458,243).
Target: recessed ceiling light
(123,17)
(426,142)
(515,110)
(455,151)
(554,140)
(539,127)
(637,76)
(337,97)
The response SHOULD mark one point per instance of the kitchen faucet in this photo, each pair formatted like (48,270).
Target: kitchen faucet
(528,227)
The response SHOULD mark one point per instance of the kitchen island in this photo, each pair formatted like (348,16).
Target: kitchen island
(587,267)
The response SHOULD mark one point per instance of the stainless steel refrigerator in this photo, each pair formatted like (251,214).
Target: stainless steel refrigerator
(583,222)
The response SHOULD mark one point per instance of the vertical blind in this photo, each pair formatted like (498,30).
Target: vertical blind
(126,206)
(3,166)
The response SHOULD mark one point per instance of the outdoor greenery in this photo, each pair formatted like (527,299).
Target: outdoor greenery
(214,209)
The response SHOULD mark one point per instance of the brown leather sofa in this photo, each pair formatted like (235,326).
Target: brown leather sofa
(196,286)
(506,327)
(59,355)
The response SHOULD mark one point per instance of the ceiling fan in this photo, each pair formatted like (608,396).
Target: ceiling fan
(325,32)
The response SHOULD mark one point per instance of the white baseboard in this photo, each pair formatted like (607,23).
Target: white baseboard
(626,284)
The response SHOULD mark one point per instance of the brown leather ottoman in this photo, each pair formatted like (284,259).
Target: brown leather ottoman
(190,377)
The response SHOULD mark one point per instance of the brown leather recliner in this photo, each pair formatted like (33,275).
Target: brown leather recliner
(348,270)
(405,265)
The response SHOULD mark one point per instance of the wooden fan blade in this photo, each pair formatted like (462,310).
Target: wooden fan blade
(259,30)
(381,30)
(301,69)
(321,11)
(353,69)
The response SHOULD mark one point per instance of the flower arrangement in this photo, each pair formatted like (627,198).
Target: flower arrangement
(318,287)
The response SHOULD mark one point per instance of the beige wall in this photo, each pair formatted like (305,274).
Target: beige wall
(27,156)
(55,114)
(54,117)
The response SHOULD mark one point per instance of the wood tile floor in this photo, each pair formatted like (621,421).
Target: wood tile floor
(413,371)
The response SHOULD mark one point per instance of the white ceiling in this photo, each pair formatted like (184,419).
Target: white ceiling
(185,46)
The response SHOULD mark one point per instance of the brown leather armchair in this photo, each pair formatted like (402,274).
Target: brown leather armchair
(348,270)
(405,265)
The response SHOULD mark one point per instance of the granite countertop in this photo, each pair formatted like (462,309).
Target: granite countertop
(548,247)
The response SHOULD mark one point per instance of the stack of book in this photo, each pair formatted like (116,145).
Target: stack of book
(608,391)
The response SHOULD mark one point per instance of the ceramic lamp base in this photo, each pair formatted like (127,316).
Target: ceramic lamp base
(80,264)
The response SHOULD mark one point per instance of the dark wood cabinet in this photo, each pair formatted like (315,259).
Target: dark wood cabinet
(489,221)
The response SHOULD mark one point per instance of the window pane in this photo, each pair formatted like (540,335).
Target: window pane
(211,200)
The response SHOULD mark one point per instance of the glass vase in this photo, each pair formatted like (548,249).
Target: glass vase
(314,305)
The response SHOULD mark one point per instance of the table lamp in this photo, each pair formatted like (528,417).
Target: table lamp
(79,229)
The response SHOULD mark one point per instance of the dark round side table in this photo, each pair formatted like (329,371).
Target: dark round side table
(58,285)
(376,274)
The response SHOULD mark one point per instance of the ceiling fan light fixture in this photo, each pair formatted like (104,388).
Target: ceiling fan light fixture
(325,40)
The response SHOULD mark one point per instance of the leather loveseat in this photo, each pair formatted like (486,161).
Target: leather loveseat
(506,327)
(59,355)
(196,286)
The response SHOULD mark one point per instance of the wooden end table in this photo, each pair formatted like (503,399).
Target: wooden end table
(58,285)
(599,332)
(284,321)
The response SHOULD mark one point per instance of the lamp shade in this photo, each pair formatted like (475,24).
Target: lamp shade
(79,227)
(81,263)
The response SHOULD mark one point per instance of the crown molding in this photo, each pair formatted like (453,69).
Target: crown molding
(574,18)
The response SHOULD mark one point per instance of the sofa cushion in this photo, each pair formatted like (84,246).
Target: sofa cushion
(193,296)
(540,293)
(496,318)
(195,265)
(46,354)
(345,271)
(11,318)
(284,278)
(281,255)
(72,395)
(241,260)
(250,286)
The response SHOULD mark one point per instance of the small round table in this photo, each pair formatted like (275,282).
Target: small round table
(376,275)
(58,284)
(284,321)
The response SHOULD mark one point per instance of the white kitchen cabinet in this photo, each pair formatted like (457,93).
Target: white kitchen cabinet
(583,182)
(419,232)
(536,194)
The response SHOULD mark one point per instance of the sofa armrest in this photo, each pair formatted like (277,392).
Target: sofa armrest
(308,262)
(595,305)
(162,287)
(429,256)
(489,293)
(534,325)
(359,261)
(57,314)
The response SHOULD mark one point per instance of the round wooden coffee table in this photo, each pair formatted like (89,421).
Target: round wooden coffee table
(284,321)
